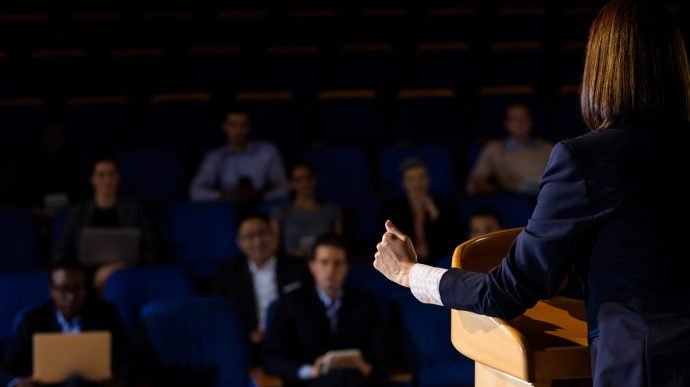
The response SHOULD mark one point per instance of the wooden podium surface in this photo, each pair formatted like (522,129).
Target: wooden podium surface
(548,342)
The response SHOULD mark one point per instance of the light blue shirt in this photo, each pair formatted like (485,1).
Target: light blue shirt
(222,169)
(68,326)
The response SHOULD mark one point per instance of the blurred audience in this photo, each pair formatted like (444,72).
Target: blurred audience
(69,311)
(299,222)
(105,211)
(52,166)
(242,170)
(514,164)
(259,278)
(314,320)
(483,221)
(431,222)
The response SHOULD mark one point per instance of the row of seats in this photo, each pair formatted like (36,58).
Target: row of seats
(190,122)
(187,331)
(301,68)
(224,23)
(200,236)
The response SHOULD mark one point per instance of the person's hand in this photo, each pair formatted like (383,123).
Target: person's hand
(27,382)
(316,367)
(395,255)
(431,208)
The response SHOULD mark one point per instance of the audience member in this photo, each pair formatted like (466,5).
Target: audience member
(69,311)
(259,278)
(483,221)
(52,170)
(104,211)
(302,220)
(314,320)
(242,170)
(514,164)
(432,221)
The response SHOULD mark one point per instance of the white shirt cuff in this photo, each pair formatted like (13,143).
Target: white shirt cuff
(424,282)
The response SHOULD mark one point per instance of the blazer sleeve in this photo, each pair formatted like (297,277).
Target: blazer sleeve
(562,223)
(19,361)
(279,345)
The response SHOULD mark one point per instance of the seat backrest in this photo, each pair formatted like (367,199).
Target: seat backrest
(199,332)
(150,175)
(485,252)
(18,241)
(131,289)
(437,158)
(201,235)
(19,290)
(342,172)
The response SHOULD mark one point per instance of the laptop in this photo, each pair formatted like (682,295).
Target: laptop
(59,356)
(100,246)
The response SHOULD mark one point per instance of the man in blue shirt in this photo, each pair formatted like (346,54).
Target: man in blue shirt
(241,170)
(68,312)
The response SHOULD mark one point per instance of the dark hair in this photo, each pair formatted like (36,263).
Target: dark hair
(328,240)
(303,164)
(252,215)
(67,264)
(486,212)
(412,163)
(103,158)
(636,67)
(517,105)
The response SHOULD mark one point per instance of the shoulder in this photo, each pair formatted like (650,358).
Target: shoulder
(591,147)
(38,315)
(363,298)
(494,146)
(330,209)
(264,146)
(280,211)
(215,154)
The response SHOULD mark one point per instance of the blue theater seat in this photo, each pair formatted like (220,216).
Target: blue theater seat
(276,116)
(443,64)
(18,241)
(514,209)
(20,291)
(201,235)
(351,117)
(150,175)
(431,116)
(342,173)
(435,361)
(198,334)
(131,289)
(437,158)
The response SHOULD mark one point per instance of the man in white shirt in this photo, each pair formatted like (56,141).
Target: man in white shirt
(254,281)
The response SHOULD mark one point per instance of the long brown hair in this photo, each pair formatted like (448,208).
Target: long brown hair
(636,67)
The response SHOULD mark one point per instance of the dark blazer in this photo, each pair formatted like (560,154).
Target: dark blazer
(130,214)
(234,281)
(300,331)
(440,233)
(96,316)
(614,203)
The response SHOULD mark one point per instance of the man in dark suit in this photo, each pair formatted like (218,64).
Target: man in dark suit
(255,281)
(67,312)
(328,316)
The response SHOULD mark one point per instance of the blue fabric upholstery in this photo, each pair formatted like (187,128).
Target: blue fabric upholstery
(201,235)
(18,241)
(342,173)
(201,332)
(131,289)
(436,362)
(20,290)
(150,175)
(513,209)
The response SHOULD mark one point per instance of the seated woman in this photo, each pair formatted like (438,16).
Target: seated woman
(434,221)
(299,222)
(104,211)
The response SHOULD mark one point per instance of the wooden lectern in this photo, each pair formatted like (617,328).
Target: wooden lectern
(547,343)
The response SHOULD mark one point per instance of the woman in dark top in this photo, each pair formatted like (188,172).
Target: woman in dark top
(104,211)
(431,221)
(613,202)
